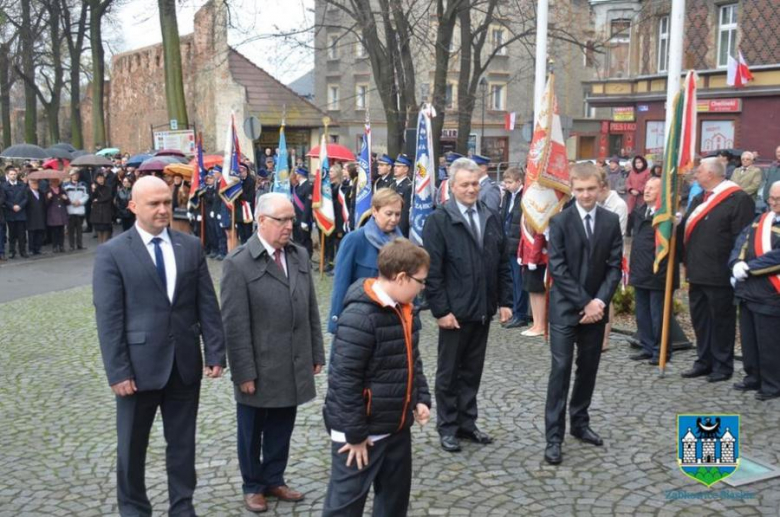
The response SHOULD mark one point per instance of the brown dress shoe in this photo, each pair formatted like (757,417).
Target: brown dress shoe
(284,493)
(255,503)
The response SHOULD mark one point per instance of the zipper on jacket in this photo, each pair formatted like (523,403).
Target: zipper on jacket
(367,395)
(409,366)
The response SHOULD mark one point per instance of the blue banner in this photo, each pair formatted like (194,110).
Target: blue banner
(364,182)
(281,172)
(424,186)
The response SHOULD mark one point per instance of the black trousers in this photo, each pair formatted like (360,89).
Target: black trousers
(57,236)
(760,349)
(331,247)
(649,320)
(714,318)
(588,339)
(264,445)
(458,375)
(389,470)
(303,237)
(17,233)
(75,231)
(178,403)
(244,231)
(35,239)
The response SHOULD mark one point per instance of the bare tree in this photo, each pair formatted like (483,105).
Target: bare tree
(97,10)
(7,77)
(75,32)
(174,86)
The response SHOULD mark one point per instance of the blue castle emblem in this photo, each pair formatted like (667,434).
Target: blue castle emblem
(708,446)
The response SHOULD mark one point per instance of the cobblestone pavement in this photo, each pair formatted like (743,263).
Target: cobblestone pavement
(57,446)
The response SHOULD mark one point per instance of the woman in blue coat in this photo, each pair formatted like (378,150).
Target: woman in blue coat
(358,250)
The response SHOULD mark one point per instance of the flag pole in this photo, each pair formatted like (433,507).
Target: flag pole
(540,77)
(668,290)
(233,227)
(325,122)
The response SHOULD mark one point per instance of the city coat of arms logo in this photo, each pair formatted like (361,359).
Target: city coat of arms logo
(708,446)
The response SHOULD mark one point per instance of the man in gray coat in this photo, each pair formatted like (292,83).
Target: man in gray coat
(274,346)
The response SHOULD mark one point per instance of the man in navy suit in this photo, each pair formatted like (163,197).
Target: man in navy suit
(585,253)
(154,299)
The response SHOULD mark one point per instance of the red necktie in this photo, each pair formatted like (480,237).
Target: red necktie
(707,194)
(278,260)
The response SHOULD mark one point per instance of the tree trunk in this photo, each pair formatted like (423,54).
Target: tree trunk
(465,101)
(75,50)
(174,85)
(5,94)
(98,73)
(53,106)
(447,17)
(28,68)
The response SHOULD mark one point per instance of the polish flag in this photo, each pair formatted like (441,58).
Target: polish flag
(509,121)
(738,72)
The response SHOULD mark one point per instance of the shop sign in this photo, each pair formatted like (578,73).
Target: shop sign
(719,105)
(625,114)
(622,127)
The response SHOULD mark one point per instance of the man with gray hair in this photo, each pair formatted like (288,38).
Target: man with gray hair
(274,346)
(748,176)
(706,237)
(469,279)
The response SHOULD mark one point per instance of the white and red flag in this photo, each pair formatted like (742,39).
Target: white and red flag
(509,121)
(738,73)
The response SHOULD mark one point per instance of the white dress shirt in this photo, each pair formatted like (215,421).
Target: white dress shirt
(270,249)
(168,257)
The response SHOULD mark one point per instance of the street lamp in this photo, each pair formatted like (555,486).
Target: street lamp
(483,89)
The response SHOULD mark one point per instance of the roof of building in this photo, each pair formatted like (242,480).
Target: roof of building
(267,97)
(304,85)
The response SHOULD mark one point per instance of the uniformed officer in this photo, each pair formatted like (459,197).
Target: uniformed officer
(385,170)
(301,197)
(402,184)
(489,192)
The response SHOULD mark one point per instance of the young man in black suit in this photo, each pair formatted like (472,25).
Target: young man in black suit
(585,253)
(154,299)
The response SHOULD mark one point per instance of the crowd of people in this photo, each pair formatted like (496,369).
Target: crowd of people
(479,259)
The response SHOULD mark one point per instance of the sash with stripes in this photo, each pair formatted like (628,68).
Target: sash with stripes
(723,190)
(297,201)
(763,243)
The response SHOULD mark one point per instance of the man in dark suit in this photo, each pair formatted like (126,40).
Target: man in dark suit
(402,184)
(274,344)
(585,254)
(707,235)
(301,195)
(15,213)
(154,299)
(511,215)
(469,279)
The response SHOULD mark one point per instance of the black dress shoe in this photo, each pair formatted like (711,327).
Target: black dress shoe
(745,386)
(475,436)
(587,435)
(552,454)
(766,396)
(516,323)
(641,356)
(718,377)
(449,443)
(694,372)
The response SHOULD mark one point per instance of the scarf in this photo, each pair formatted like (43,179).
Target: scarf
(377,237)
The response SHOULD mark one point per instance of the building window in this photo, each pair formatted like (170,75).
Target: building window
(449,97)
(361,94)
(497,38)
(618,46)
(498,97)
(333,97)
(663,43)
(360,50)
(333,47)
(727,34)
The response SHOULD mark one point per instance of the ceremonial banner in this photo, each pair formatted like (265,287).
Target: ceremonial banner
(281,172)
(322,197)
(199,178)
(364,181)
(678,159)
(423,186)
(547,171)
(230,186)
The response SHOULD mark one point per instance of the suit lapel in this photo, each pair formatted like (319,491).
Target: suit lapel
(292,267)
(178,254)
(141,253)
(265,262)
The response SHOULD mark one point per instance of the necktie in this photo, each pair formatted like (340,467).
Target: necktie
(159,262)
(473,223)
(588,227)
(649,213)
(278,260)
(707,195)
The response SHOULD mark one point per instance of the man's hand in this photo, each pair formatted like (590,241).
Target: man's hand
(247,388)
(17,208)
(422,414)
(448,322)
(317,369)
(504,314)
(357,452)
(213,372)
(593,312)
(740,270)
(124,388)
(634,192)
(304,227)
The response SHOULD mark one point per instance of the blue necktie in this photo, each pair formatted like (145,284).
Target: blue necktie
(160,262)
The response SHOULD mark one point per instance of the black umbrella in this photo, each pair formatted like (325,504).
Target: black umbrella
(66,146)
(58,152)
(25,152)
(77,153)
(91,160)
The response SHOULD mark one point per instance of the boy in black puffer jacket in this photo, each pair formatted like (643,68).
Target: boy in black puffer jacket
(376,386)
